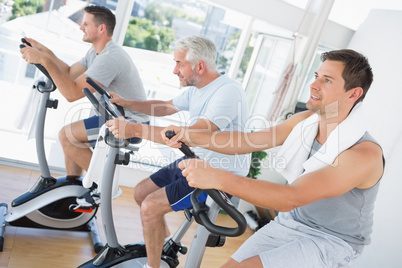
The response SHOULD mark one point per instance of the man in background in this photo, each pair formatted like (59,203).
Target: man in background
(108,65)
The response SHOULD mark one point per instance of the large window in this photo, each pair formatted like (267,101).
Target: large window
(152,28)
(150,31)
(265,70)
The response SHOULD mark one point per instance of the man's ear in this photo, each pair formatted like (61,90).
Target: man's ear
(356,93)
(200,67)
(102,28)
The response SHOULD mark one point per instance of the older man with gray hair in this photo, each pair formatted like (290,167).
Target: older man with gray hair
(215,103)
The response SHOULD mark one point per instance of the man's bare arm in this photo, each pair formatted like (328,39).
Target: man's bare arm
(70,81)
(234,142)
(151,107)
(327,182)
(124,129)
(70,88)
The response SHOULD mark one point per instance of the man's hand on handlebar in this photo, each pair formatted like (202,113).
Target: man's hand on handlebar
(200,174)
(118,127)
(118,100)
(35,53)
(32,55)
(35,44)
(121,128)
(177,139)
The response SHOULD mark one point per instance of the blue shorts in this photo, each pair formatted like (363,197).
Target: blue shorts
(93,125)
(177,189)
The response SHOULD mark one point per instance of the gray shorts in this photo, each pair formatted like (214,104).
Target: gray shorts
(286,243)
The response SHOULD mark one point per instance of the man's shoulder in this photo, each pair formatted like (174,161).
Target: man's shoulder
(367,145)
(226,86)
(114,50)
(298,117)
(371,154)
(226,80)
(115,54)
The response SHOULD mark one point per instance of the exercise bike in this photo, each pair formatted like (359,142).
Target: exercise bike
(134,255)
(50,203)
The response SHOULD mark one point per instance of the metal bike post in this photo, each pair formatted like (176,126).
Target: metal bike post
(106,197)
(197,248)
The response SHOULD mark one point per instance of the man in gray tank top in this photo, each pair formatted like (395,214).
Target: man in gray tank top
(106,63)
(332,164)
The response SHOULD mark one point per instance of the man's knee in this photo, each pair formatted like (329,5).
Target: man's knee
(63,137)
(155,206)
(150,210)
(138,195)
(143,189)
(74,133)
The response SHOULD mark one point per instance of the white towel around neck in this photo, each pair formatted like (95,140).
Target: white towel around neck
(296,148)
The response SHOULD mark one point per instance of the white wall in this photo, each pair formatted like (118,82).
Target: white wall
(289,17)
(380,39)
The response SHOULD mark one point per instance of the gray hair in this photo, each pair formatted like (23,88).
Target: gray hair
(198,49)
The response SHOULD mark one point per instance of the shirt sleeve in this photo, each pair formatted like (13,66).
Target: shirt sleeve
(224,106)
(86,59)
(182,101)
(104,69)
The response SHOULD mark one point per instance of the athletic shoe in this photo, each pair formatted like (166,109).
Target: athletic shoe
(89,199)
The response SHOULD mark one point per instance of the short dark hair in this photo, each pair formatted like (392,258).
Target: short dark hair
(102,15)
(357,71)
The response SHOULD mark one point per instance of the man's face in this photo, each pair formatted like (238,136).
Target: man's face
(89,28)
(183,69)
(327,92)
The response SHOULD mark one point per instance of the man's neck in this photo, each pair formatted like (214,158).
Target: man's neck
(208,78)
(100,44)
(327,125)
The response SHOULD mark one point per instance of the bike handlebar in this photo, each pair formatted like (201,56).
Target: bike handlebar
(97,87)
(39,66)
(200,209)
(115,110)
(184,148)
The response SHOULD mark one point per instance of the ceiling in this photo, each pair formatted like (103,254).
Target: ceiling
(351,13)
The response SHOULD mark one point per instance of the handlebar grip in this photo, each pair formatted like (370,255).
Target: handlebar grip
(169,134)
(23,40)
(39,66)
(184,148)
(97,87)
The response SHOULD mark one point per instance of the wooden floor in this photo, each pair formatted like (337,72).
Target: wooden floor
(39,248)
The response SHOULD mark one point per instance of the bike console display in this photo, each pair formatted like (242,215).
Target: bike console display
(104,106)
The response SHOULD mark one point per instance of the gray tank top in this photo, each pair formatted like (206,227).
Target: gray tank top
(349,216)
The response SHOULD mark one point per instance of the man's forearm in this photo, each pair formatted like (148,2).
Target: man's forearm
(64,83)
(64,67)
(229,142)
(147,132)
(151,107)
(261,193)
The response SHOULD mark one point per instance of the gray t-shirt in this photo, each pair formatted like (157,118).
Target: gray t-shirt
(349,216)
(115,70)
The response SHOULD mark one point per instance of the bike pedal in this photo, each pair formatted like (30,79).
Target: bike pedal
(78,208)
(84,209)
